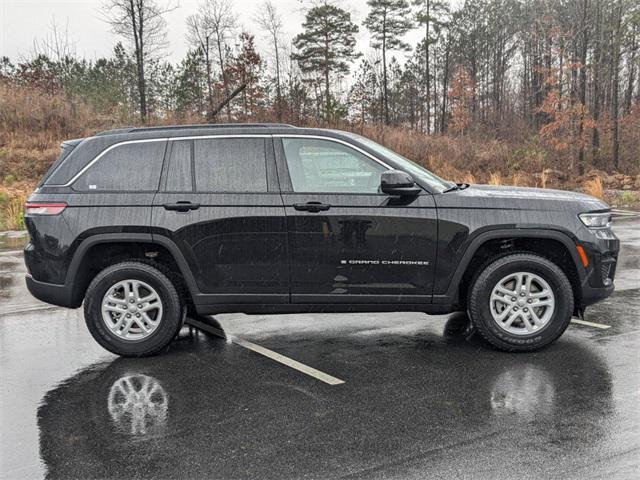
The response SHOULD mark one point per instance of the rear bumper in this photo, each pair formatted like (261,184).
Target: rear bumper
(60,295)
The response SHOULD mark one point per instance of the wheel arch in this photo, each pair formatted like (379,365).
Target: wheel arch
(101,250)
(554,245)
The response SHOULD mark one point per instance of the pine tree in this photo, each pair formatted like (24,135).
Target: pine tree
(388,21)
(326,45)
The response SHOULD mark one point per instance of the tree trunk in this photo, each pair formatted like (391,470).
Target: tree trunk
(385,94)
(583,84)
(597,72)
(427,66)
(137,24)
(631,62)
(278,87)
(327,90)
(207,60)
(445,78)
(616,86)
(225,83)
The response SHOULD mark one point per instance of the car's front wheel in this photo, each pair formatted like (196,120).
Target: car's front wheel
(521,302)
(133,309)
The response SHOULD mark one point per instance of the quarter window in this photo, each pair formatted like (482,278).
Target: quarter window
(128,167)
(323,166)
(230,165)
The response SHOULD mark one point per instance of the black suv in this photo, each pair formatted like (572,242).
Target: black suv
(148,225)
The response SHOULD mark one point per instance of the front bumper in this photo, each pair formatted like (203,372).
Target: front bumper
(598,282)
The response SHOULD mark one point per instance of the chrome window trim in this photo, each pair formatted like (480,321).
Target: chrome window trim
(336,140)
(148,140)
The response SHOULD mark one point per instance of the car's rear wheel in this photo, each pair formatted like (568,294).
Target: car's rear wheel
(521,302)
(133,309)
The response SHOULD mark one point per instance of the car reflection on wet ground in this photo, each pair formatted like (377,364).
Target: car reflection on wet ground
(422,398)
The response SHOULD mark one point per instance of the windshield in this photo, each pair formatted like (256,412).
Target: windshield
(417,171)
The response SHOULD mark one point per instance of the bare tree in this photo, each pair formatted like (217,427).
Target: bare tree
(270,22)
(200,36)
(141,22)
(57,44)
(211,27)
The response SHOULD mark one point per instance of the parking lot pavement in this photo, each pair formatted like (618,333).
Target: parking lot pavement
(420,398)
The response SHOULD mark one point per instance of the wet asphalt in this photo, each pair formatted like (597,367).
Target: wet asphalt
(422,398)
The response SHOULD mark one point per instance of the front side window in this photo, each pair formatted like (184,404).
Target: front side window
(128,167)
(230,165)
(415,170)
(324,166)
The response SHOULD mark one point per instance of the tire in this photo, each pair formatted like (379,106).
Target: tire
(521,336)
(165,312)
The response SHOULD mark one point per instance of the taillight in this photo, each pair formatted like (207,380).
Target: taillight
(32,208)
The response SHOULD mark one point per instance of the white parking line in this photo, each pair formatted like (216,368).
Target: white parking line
(9,309)
(289,362)
(590,324)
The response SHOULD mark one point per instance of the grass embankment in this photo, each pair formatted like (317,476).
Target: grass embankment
(33,123)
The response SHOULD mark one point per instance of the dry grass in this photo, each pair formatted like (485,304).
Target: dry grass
(594,188)
(469,178)
(495,179)
(544,178)
(12,201)
(32,125)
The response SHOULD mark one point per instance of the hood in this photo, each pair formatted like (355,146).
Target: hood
(522,198)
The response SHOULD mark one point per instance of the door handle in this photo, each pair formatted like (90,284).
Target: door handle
(182,206)
(313,207)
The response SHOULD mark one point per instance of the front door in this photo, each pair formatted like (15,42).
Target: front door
(220,204)
(349,243)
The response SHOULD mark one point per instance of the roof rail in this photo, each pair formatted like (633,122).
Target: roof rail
(197,126)
(212,125)
(114,131)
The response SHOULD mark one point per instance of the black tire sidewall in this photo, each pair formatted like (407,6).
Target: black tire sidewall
(494,272)
(171,305)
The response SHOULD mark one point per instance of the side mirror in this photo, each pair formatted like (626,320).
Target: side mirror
(398,183)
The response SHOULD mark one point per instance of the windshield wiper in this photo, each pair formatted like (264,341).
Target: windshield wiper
(456,186)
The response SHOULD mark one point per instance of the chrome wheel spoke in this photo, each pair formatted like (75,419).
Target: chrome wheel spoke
(142,325)
(542,303)
(510,320)
(504,291)
(527,324)
(504,299)
(148,319)
(527,284)
(504,314)
(132,310)
(534,316)
(112,308)
(522,303)
(126,328)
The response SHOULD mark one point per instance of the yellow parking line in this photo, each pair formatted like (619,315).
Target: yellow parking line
(590,324)
(289,362)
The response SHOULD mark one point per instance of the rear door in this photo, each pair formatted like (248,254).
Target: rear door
(220,204)
(348,242)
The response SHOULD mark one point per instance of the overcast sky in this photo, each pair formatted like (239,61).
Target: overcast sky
(23,21)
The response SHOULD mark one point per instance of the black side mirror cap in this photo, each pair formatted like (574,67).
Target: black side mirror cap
(398,183)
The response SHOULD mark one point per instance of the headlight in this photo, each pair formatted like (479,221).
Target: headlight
(596,220)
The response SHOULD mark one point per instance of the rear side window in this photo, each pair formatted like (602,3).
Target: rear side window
(179,172)
(230,165)
(128,167)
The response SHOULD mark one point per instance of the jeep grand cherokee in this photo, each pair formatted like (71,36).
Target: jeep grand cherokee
(147,225)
